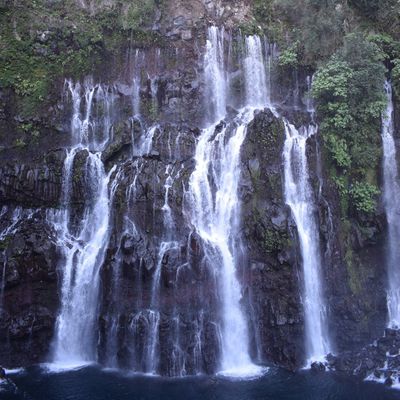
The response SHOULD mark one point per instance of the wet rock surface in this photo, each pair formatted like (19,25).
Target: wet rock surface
(379,361)
(271,285)
(30,299)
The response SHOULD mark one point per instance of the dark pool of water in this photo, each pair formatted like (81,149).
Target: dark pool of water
(94,384)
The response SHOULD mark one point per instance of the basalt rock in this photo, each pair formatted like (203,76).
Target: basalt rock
(378,361)
(271,284)
(30,302)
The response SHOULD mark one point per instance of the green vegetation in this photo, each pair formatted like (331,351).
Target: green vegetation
(390,53)
(289,56)
(321,25)
(363,195)
(317,25)
(40,44)
(138,14)
(382,12)
(20,143)
(350,99)
(274,241)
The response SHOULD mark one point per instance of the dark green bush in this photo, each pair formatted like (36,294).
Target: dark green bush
(350,99)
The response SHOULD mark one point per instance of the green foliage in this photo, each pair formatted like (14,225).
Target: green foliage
(20,143)
(349,94)
(390,48)
(382,15)
(250,28)
(375,9)
(339,150)
(33,58)
(138,14)
(29,129)
(363,195)
(289,56)
(368,7)
(263,10)
(396,75)
(316,25)
(274,241)
(390,52)
(40,44)
(5,243)
(333,80)
(342,184)
(348,43)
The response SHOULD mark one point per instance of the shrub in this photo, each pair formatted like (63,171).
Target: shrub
(289,56)
(363,195)
(349,94)
(138,14)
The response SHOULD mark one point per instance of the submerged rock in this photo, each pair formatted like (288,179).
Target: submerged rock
(318,366)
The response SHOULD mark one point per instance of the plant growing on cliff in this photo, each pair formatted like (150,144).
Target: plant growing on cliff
(289,57)
(363,195)
(349,94)
(275,241)
(384,13)
(390,50)
(316,25)
(34,52)
(42,42)
(138,14)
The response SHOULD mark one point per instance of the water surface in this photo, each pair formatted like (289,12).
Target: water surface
(92,383)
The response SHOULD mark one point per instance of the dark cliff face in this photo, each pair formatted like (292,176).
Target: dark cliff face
(355,273)
(30,302)
(270,269)
(273,285)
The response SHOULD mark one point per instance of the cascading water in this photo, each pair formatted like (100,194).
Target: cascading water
(17,215)
(391,197)
(83,245)
(308,97)
(257,93)
(145,352)
(215,220)
(136,83)
(212,205)
(299,197)
(214,71)
(213,194)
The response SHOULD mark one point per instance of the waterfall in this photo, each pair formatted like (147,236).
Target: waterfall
(308,96)
(215,72)
(146,141)
(299,197)
(147,317)
(136,83)
(155,328)
(215,217)
(257,90)
(83,245)
(391,199)
(214,205)
(10,229)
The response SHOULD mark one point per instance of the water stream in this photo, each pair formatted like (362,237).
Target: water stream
(391,198)
(83,244)
(299,197)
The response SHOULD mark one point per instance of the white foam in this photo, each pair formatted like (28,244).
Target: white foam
(55,368)
(250,372)
(317,359)
(14,371)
